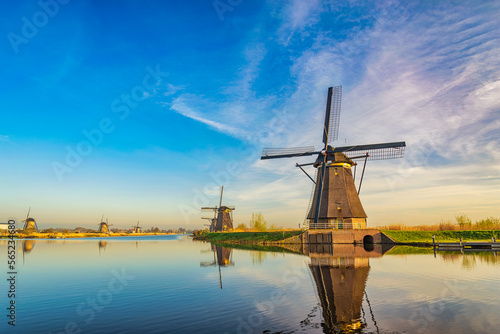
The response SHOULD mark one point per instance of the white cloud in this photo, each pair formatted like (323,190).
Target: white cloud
(4,138)
(179,106)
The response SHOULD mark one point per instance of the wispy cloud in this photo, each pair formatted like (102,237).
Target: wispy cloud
(4,138)
(179,105)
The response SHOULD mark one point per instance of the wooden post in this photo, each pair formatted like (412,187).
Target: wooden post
(461,242)
(434,241)
(493,239)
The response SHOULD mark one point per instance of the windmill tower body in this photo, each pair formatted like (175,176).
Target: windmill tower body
(224,220)
(30,224)
(103,227)
(340,206)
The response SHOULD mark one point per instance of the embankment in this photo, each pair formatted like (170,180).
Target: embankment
(259,238)
(417,238)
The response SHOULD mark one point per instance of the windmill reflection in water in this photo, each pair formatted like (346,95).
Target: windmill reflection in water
(340,273)
(223,257)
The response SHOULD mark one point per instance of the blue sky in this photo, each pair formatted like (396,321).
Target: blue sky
(181,97)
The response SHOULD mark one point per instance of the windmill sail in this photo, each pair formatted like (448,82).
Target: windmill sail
(332,115)
(382,151)
(275,153)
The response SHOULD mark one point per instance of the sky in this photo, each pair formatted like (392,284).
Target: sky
(141,110)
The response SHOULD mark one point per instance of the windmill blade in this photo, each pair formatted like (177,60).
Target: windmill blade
(221,191)
(275,153)
(231,208)
(382,151)
(332,115)
(28,215)
(208,208)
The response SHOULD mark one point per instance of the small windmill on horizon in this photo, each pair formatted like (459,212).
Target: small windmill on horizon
(29,223)
(335,202)
(104,226)
(223,216)
(137,228)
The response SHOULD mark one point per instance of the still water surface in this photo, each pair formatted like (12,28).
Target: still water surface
(171,284)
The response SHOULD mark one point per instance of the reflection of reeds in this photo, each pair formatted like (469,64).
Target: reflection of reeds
(259,256)
(470,260)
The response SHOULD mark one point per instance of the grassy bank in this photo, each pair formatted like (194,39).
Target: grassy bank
(247,237)
(441,236)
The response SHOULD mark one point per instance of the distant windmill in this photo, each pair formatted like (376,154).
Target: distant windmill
(223,216)
(29,223)
(104,226)
(335,202)
(137,228)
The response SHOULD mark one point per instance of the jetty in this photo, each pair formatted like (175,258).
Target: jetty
(475,245)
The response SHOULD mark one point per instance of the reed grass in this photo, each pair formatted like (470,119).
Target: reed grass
(463,223)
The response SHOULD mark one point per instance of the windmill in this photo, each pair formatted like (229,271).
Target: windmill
(137,228)
(30,223)
(223,216)
(104,226)
(335,202)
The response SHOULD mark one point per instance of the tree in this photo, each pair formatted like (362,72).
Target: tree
(464,221)
(258,222)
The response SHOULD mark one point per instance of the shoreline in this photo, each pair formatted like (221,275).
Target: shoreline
(400,238)
(81,235)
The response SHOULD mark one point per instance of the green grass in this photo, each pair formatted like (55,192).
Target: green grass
(247,237)
(441,236)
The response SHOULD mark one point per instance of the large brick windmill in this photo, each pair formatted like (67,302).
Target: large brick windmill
(223,216)
(335,201)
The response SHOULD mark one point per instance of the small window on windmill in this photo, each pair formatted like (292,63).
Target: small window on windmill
(340,223)
(336,172)
(339,207)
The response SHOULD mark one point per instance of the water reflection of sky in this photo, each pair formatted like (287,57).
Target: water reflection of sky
(173,293)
